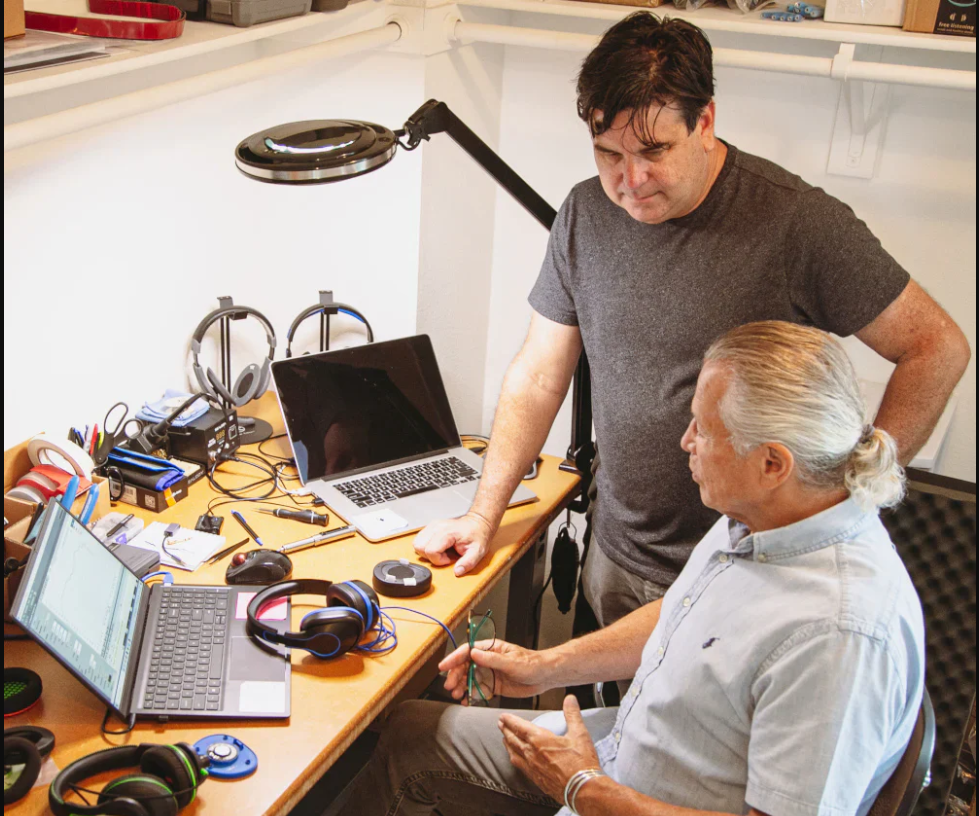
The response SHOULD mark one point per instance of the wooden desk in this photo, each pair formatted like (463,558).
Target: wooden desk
(332,702)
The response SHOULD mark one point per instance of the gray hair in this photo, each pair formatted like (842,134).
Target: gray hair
(796,386)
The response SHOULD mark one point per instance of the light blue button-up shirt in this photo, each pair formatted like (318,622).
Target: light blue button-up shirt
(786,673)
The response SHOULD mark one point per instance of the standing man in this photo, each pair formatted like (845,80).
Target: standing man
(679,239)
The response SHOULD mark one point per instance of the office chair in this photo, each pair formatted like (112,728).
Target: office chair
(900,795)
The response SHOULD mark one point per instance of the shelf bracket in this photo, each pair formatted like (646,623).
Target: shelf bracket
(860,119)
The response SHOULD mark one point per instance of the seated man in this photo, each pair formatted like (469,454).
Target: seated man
(783,672)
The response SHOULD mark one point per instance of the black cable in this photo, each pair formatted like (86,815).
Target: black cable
(15,638)
(105,722)
(237,493)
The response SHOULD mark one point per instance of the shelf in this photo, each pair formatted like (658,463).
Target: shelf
(716,19)
(198,40)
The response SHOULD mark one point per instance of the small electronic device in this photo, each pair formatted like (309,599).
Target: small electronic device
(373,435)
(92,613)
(210,524)
(401,579)
(205,440)
(259,568)
(230,758)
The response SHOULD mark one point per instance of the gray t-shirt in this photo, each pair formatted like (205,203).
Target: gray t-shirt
(650,300)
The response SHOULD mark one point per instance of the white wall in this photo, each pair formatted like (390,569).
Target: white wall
(118,241)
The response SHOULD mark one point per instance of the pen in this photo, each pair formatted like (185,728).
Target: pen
(241,520)
(226,552)
(119,527)
(316,540)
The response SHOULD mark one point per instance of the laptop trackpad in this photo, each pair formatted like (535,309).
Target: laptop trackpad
(251,662)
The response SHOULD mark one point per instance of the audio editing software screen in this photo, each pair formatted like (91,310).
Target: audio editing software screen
(81,603)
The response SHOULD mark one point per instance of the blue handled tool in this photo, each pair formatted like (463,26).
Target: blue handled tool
(90,502)
(71,493)
(241,520)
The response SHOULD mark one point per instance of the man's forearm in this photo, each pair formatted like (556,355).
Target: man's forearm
(614,653)
(528,405)
(916,396)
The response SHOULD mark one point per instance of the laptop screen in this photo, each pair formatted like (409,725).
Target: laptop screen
(81,603)
(356,409)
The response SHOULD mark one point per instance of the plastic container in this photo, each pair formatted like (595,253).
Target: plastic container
(244,13)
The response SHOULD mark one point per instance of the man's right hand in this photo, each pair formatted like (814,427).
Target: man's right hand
(467,538)
(520,673)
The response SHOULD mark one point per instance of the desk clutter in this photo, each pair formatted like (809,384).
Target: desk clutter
(92,575)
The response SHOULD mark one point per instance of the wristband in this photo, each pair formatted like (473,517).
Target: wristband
(574,786)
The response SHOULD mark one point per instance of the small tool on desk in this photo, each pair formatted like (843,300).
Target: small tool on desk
(110,536)
(317,540)
(241,520)
(227,551)
(305,516)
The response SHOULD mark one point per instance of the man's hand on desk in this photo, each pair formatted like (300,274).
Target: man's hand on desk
(466,538)
(519,673)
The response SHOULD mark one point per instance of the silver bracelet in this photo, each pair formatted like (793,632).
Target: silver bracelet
(574,786)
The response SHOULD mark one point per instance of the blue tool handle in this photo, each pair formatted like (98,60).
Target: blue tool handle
(71,493)
(90,502)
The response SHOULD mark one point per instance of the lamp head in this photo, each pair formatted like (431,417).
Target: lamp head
(315,152)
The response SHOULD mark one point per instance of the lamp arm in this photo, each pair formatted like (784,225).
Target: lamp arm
(435,117)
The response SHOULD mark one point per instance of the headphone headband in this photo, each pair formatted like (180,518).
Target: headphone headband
(319,309)
(276,592)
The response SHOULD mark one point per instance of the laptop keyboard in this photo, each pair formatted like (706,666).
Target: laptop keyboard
(408,481)
(189,645)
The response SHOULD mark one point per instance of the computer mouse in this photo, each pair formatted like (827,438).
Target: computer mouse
(259,568)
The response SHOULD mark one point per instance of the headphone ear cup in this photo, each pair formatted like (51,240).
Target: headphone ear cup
(332,632)
(246,386)
(264,378)
(19,751)
(365,601)
(149,792)
(166,763)
(217,389)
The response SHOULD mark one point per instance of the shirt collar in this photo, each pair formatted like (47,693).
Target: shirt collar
(825,529)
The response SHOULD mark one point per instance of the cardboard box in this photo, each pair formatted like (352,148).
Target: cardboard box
(951,17)
(13,18)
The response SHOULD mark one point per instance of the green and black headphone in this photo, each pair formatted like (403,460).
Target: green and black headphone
(167,782)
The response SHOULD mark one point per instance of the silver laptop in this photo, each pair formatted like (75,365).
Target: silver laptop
(147,652)
(373,436)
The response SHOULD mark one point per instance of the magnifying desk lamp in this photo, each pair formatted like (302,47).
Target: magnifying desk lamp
(322,151)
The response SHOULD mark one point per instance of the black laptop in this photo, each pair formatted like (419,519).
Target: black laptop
(161,652)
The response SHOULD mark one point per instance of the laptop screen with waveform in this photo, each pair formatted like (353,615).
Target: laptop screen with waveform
(81,603)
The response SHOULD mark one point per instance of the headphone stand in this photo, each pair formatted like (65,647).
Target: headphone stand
(251,431)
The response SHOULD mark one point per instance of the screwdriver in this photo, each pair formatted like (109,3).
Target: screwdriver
(305,516)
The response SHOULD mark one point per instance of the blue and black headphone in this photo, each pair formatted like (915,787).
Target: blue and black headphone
(352,611)
(167,782)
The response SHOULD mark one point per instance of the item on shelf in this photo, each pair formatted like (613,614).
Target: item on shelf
(866,12)
(40,49)
(130,20)
(244,13)
(956,18)
(808,11)
(744,6)
(13,20)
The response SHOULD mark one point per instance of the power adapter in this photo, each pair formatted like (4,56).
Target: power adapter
(210,524)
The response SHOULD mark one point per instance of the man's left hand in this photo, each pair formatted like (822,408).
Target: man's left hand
(547,760)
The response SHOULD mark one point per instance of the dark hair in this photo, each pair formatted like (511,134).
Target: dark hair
(645,61)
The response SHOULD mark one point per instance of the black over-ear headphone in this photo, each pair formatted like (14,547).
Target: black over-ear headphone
(352,611)
(167,782)
(253,380)
(28,746)
(327,309)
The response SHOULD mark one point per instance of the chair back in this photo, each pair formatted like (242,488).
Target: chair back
(900,795)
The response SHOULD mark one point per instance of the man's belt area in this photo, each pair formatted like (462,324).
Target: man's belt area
(148,21)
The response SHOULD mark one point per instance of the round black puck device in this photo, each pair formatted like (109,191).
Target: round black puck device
(401,579)
(21,691)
